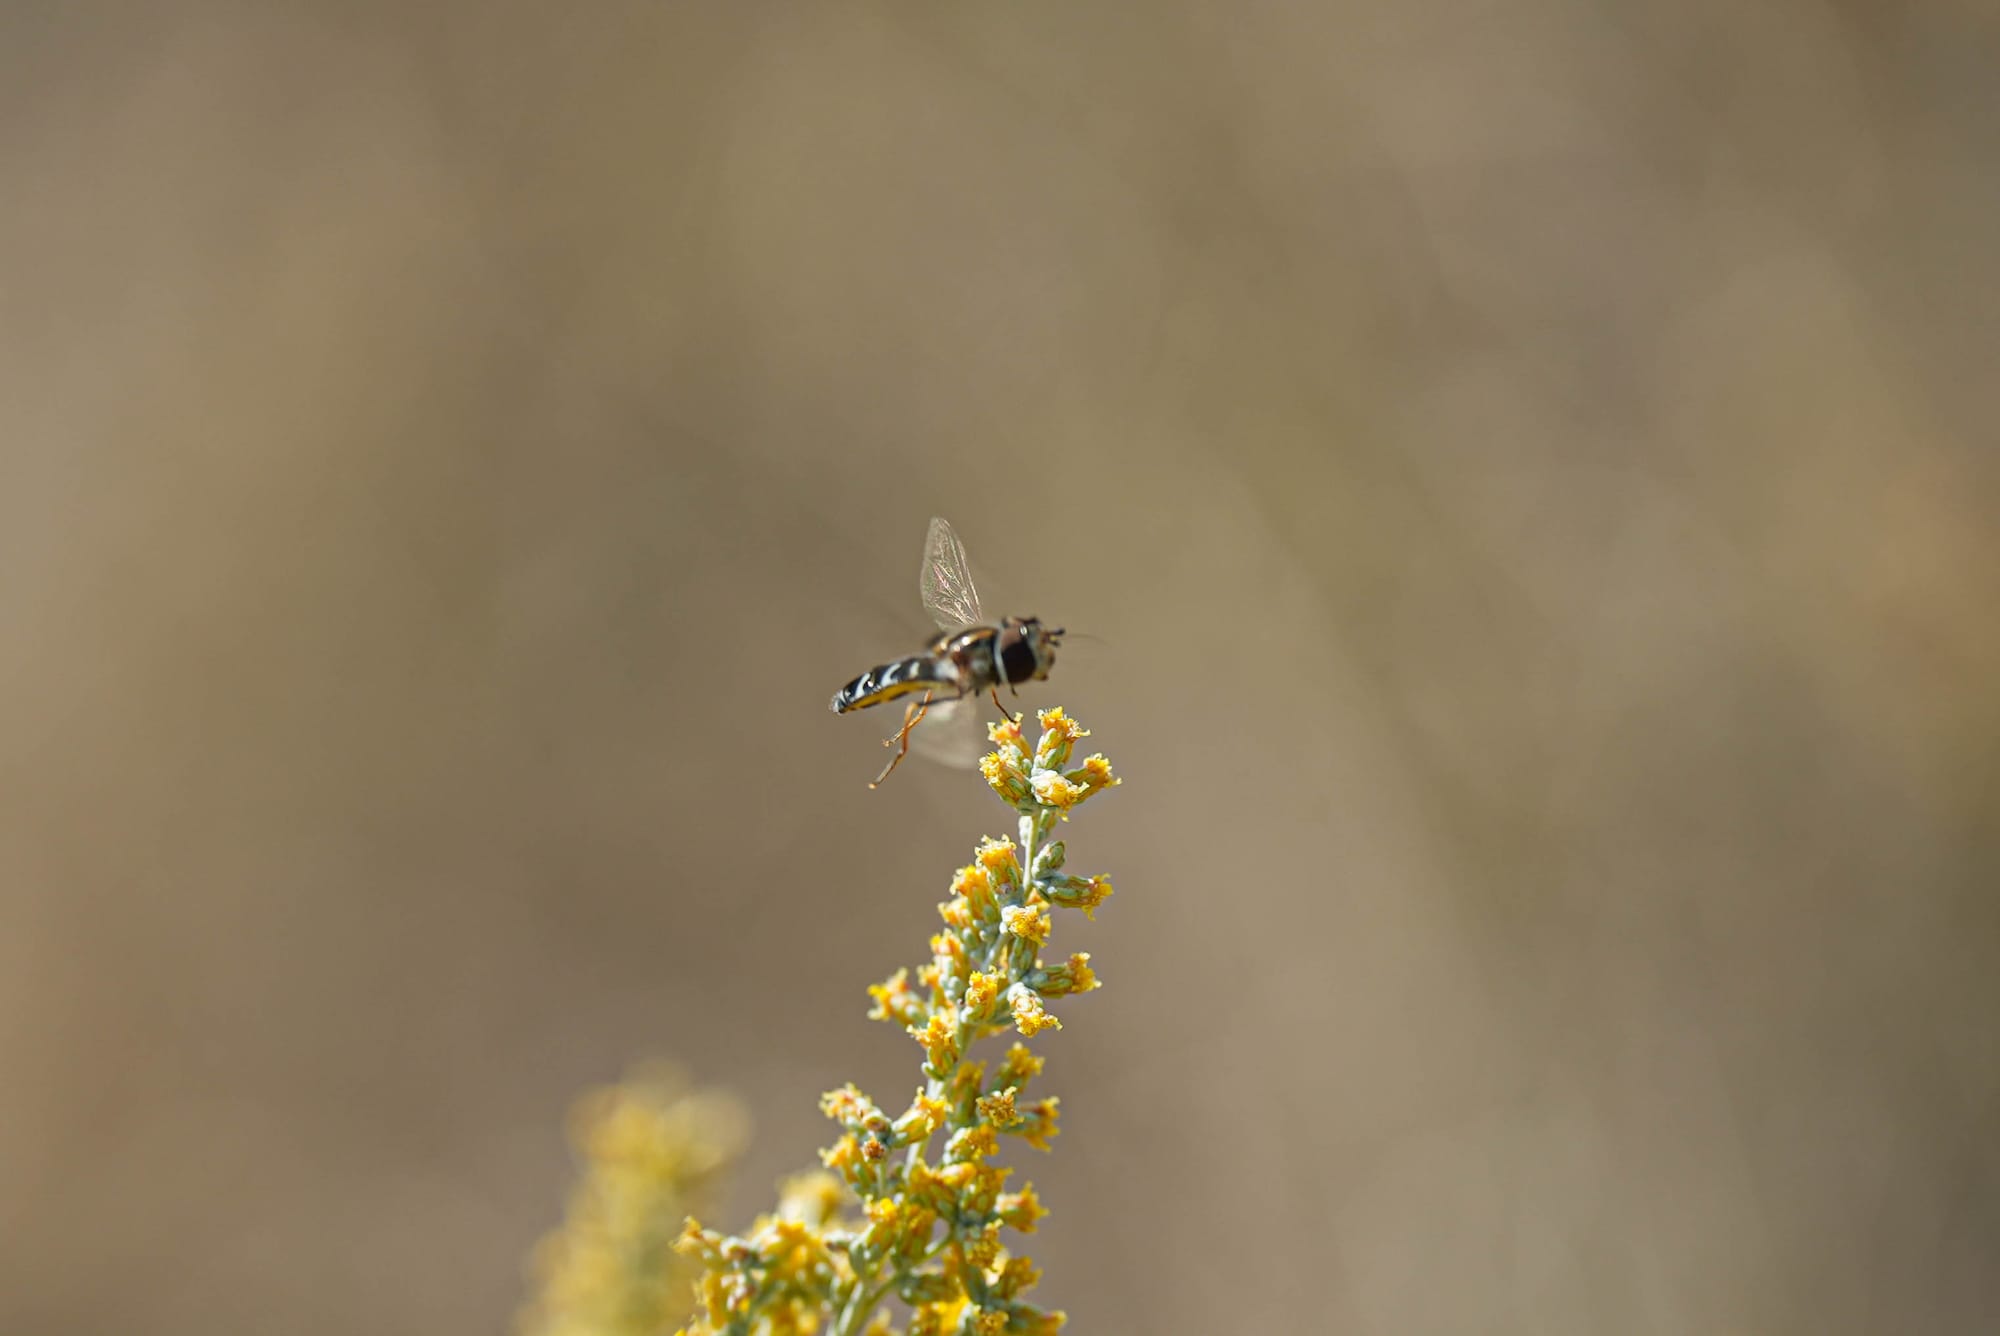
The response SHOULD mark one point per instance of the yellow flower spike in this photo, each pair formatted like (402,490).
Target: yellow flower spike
(1030,1017)
(926,1229)
(1021,1210)
(1030,925)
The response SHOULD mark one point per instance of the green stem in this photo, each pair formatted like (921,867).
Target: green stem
(859,1308)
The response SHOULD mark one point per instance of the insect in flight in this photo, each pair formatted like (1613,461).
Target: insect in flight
(968,655)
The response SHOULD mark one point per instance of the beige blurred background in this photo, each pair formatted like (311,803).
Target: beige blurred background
(1531,469)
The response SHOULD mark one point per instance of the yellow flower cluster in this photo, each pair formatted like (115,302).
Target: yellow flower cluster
(1027,782)
(929,1229)
(653,1151)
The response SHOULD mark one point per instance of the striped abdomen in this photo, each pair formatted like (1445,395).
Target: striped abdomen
(919,672)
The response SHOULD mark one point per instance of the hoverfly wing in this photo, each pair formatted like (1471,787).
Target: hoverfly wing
(951,734)
(946,580)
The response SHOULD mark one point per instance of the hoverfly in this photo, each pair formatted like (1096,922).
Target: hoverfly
(969,654)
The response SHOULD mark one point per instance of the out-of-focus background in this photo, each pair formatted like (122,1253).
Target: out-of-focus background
(1530,468)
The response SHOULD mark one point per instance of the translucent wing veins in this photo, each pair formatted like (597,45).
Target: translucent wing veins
(946,580)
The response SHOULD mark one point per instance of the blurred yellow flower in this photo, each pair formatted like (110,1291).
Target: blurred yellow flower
(654,1152)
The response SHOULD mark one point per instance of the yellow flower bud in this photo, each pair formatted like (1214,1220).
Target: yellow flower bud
(1006,776)
(1094,774)
(997,857)
(1060,980)
(1059,734)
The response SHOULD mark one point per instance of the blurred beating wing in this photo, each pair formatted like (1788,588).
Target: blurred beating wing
(946,581)
(952,733)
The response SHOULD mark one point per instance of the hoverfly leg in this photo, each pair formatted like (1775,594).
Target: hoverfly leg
(1005,713)
(913,714)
